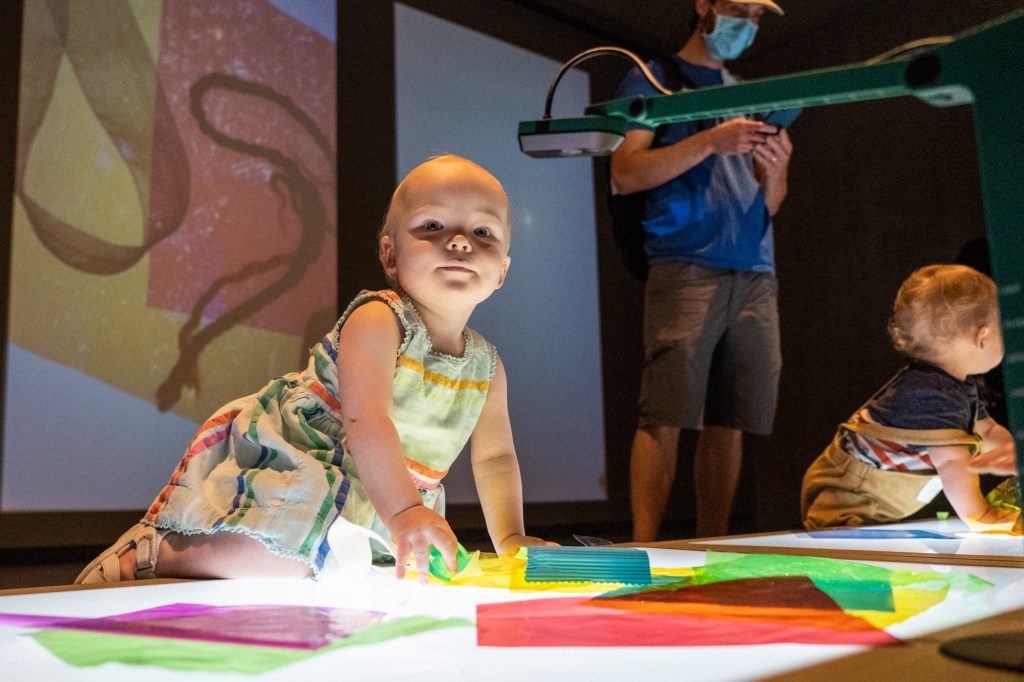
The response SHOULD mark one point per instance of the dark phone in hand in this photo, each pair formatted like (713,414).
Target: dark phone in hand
(782,118)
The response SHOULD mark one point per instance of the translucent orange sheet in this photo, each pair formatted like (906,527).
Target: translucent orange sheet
(786,609)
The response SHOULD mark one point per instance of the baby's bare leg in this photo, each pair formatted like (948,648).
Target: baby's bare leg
(223,555)
(220,555)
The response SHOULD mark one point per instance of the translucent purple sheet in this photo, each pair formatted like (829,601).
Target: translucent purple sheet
(293,627)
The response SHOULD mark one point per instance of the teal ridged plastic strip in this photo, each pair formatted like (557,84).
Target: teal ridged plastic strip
(627,565)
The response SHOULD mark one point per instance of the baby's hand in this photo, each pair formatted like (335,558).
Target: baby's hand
(993,519)
(1000,460)
(415,530)
(512,543)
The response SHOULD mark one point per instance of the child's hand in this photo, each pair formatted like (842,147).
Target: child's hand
(415,530)
(512,543)
(1000,460)
(993,519)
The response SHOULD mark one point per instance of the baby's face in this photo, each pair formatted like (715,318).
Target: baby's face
(450,234)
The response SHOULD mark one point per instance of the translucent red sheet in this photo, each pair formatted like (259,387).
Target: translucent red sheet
(739,612)
(293,627)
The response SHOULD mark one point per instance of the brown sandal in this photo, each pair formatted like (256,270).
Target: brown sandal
(106,568)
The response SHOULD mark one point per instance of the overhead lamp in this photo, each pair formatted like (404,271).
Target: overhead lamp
(584,136)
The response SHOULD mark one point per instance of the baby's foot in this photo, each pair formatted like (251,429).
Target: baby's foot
(132,557)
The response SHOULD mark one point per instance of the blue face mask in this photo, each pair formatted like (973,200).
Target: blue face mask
(732,35)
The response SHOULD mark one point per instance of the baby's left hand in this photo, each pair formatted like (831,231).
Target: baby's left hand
(1001,460)
(512,543)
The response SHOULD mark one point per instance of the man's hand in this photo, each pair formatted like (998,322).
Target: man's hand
(739,136)
(415,530)
(772,156)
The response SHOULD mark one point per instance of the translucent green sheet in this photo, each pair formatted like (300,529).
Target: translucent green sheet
(1006,495)
(84,649)
(854,586)
(463,557)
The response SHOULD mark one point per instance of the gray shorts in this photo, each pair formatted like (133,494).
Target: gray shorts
(711,348)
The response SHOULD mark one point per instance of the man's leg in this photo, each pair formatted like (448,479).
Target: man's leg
(716,473)
(744,389)
(685,314)
(652,471)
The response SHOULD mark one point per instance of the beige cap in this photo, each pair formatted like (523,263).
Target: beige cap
(767,3)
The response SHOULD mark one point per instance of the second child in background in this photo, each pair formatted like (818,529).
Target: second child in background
(917,434)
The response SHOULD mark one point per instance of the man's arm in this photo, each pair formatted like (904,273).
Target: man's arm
(637,167)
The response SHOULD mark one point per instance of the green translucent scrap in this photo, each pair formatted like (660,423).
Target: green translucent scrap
(400,627)
(968,583)
(437,565)
(1006,496)
(851,584)
(84,649)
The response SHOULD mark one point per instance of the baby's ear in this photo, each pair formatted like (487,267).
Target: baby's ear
(504,271)
(982,336)
(386,253)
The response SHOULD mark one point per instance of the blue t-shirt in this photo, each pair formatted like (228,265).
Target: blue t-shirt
(713,214)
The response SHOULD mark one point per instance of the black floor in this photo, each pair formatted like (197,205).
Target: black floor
(39,568)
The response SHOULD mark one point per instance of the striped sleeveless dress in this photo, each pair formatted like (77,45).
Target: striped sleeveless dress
(273,465)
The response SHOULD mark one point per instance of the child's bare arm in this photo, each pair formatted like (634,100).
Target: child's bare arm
(962,489)
(367,349)
(496,471)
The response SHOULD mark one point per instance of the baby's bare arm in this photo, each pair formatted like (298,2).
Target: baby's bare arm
(963,490)
(367,349)
(496,471)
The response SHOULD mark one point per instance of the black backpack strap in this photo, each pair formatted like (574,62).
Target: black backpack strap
(672,75)
(675,79)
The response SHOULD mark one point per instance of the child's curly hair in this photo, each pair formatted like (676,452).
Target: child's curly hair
(936,304)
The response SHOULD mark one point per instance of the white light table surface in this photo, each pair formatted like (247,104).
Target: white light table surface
(453,655)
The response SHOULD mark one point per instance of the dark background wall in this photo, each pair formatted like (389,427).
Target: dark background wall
(876,190)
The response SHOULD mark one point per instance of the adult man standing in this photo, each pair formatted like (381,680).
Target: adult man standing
(711,332)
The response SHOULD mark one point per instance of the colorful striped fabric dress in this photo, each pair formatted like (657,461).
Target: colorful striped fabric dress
(273,465)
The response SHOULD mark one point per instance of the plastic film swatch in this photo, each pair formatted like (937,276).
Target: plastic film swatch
(625,565)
